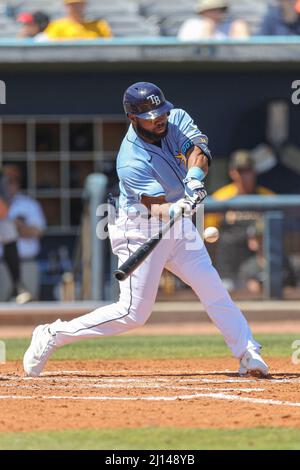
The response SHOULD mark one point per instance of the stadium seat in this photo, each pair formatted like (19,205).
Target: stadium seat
(8,28)
(170,15)
(134,29)
(166,9)
(170,26)
(127,17)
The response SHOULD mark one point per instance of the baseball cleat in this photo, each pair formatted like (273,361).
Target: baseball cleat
(253,364)
(41,347)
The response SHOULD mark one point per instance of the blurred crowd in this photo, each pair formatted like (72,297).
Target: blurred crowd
(239,254)
(216,21)
(273,167)
(202,19)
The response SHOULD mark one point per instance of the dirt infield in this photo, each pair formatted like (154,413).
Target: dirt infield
(196,393)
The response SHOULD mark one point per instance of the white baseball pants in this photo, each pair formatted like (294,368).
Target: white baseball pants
(183,253)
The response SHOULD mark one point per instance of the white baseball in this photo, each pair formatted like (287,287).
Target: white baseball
(211,234)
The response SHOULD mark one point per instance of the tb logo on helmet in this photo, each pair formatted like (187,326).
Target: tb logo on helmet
(145,100)
(154,99)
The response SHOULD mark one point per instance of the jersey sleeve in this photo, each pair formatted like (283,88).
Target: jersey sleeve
(189,135)
(139,181)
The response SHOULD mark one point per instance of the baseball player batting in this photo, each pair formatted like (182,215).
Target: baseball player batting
(161,164)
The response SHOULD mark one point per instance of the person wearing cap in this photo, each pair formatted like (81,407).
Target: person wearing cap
(75,26)
(252,272)
(232,248)
(33,24)
(213,21)
(281,20)
(243,175)
(27,218)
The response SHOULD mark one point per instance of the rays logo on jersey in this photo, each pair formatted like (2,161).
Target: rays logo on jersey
(181,159)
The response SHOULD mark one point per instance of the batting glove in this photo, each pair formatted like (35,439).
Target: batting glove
(194,190)
(182,206)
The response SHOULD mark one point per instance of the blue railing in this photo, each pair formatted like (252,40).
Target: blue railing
(162,49)
(152,41)
(274,209)
(254,202)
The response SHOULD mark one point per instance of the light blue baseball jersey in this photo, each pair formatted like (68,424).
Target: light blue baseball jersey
(146,169)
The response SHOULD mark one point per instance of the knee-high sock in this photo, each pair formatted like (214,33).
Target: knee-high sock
(11,257)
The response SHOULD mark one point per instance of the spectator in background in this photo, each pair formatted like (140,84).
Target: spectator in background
(29,220)
(282,20)
(232,247)
(33,25)
(8,238)
(74,25)
(213,22)
(252,272)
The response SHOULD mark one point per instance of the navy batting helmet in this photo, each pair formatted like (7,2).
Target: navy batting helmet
(146,101)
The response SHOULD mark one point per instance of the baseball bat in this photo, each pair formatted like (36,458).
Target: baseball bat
(134,261)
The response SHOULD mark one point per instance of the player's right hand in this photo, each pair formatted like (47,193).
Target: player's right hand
(195,190)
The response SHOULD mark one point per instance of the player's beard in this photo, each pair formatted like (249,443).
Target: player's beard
(152,136)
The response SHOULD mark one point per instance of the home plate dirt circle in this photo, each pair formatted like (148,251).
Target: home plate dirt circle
(111,394)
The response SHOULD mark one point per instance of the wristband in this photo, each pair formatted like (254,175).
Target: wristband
(195,173)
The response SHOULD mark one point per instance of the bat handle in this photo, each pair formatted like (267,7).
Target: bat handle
(120,275)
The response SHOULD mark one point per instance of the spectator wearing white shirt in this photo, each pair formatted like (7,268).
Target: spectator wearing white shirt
(30,222)
(213,22)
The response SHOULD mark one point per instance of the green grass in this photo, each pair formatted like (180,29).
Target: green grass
(156,347)
(154,438)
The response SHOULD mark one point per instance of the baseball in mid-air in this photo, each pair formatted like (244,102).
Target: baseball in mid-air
(211,234)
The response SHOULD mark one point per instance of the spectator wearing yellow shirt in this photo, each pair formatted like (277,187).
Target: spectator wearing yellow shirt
(74,25)
(232,248)
(243,176)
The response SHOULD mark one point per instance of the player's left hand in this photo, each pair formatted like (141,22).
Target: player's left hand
(195,190)
(183,207)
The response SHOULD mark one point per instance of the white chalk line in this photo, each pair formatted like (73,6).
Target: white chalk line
(133,387)
(138,372)
(56,376)
(125,379)
(135,380)
(145,382)
(215,396)
(144,374)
